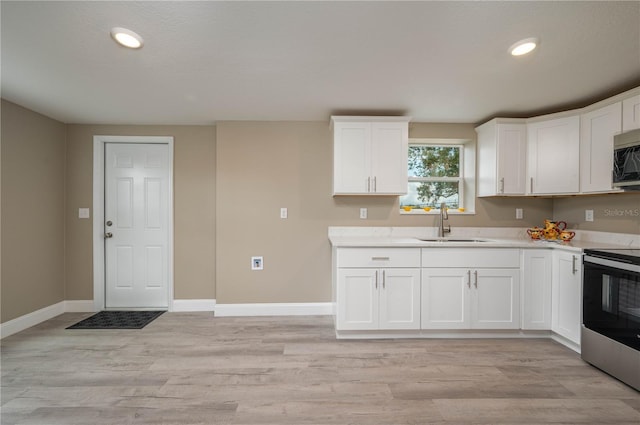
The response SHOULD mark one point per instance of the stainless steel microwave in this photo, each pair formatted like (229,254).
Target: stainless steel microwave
(626,160)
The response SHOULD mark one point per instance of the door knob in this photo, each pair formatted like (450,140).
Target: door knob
(108,235)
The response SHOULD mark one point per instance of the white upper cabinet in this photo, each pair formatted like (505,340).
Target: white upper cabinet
(554,156)
(370,155)
(596,147)
(631,113)
(501,153)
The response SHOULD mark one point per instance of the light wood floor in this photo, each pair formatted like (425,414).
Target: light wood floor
(191,368)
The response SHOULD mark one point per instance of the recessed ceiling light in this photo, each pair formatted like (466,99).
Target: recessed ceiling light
(126,37)
(523,47)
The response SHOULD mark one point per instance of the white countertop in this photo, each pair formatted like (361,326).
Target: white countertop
(490,237)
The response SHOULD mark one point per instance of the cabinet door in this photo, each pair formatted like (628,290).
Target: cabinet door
(389,150)
(554,156)
(352,158)
(596,147)
(567,295)
(536,288)
(495,299)
(631,113)
(512,143)
(400,299)
(445,298)
(357,299)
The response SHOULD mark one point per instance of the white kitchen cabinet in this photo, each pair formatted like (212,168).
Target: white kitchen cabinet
(378,289)
(370,155)
(631,113)
(470,288)
(567,295)
(554,156)
(597,129)
(501,157)
(536,275)
(470,298)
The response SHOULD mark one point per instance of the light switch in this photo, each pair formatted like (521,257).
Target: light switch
(83,212)
(284,213)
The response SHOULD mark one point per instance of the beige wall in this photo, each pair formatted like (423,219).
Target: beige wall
(619,213)
(194,207)
(33,193)
(264,166)
(230,183)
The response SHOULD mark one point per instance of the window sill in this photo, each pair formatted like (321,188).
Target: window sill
(421,211)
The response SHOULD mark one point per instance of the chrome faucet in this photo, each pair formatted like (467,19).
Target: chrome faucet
(443,216)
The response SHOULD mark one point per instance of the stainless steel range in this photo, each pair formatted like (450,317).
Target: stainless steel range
(611,312)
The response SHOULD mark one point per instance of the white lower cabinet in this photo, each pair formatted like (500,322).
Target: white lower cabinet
(378,298)
(536,289)
(567,295)
(484,295)
(470,299)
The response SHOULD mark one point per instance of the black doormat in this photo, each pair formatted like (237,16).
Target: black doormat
(117,320)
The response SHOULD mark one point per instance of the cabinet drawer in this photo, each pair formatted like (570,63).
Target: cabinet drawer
(471,257)
(378,257)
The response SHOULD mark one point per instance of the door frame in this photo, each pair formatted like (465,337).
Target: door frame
(98,213)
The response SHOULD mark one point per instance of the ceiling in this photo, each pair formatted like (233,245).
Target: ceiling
(207,61)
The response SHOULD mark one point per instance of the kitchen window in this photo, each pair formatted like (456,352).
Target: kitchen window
(439,171)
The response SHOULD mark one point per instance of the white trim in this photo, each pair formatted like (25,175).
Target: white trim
(274,309)
(79,306)
(98,212)
(194,305)
(31,319)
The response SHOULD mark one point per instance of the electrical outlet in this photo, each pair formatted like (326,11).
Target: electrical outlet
(257,263)
(519,214)
(363,213)
(284,213)
(588,215)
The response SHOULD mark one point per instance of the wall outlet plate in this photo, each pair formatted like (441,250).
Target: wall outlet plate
(284,213)
(257,263)
(519,214)
(588,215)
(83,212)
(363,213)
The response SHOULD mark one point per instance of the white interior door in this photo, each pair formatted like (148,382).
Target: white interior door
(136,225)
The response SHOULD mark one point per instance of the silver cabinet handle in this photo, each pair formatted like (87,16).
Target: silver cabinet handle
(379,258)
(376,279)
(531,185)
(375,184)
(368,184)
(502,185)
(469,278)
(475,274)
(574,270)
(108,235)
(383,281)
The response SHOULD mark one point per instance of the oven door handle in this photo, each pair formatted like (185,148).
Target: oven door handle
(612,264)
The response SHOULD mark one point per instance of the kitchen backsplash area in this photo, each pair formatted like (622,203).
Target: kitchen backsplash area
(619,213)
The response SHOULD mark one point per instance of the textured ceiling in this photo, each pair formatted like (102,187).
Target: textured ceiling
(204,62)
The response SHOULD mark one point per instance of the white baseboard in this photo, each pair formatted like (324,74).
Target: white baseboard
(274,309)
(194,305)
(23,322)
(85,306)
(79,306)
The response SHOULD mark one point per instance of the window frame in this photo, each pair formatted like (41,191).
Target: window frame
(465,179)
